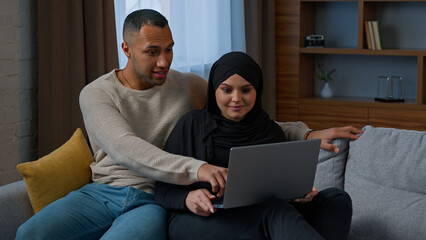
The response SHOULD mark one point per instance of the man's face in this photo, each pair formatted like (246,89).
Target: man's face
(151,54)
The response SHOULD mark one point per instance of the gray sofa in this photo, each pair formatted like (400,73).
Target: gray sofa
(15,208)
(384,172)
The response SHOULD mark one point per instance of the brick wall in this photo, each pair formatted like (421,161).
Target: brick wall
(18,86)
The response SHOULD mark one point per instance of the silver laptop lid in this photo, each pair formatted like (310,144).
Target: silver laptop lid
(285,170)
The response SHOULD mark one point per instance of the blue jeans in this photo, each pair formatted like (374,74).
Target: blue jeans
(99,211)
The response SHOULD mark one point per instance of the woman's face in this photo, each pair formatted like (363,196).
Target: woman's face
(235,97)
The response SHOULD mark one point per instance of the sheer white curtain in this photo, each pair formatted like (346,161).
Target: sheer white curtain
(203,30)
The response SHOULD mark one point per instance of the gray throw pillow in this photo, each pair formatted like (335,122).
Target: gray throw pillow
(386,179)
(331,166)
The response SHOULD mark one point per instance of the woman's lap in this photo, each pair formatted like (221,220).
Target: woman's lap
(275,219)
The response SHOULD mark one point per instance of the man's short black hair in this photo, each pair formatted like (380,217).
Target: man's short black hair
(135,20)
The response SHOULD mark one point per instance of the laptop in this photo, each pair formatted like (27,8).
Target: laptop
(256,173)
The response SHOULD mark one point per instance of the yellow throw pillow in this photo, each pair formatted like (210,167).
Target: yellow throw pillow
(55,175)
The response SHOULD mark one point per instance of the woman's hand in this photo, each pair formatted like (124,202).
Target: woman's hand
(198,201)
(308,197)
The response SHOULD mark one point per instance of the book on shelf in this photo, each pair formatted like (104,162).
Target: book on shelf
(368,34)
(372,35)
(377,35)
(370,30)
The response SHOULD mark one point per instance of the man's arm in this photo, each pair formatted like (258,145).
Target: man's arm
(327,135)
(299,131)
(111,132)
(294,130)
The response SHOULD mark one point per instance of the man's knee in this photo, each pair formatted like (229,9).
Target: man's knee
(145,222)
(159,217)
(29,231)
(158,223)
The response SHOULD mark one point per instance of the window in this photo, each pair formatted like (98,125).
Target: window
(203,30)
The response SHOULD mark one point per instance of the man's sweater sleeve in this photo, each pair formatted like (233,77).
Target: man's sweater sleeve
(111,133)
(294,130)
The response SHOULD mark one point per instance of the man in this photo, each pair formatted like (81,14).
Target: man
(128,115)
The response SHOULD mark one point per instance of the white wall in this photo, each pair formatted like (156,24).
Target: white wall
(18,86)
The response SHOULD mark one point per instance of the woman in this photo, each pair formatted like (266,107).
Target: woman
(233,116)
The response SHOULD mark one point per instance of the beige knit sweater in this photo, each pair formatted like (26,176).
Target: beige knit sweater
(128,128)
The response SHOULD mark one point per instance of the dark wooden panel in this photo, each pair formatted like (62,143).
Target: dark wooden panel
(287,111)
(287,59)
(398,118)
(323,116)
(287,79)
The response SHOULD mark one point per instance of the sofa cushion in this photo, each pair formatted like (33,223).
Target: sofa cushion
(331,166)
(386,176)
(15,208)
(55,175)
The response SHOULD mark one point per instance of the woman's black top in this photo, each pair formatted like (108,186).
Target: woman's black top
(206,135)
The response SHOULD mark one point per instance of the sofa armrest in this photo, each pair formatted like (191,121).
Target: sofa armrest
(15,208)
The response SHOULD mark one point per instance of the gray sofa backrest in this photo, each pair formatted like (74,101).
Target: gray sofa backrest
(384,172)
(386,177)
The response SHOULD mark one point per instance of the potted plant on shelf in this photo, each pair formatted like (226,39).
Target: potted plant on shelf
(326,77)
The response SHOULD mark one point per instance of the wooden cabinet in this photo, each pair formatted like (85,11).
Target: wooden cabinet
(319,116)
(357,67)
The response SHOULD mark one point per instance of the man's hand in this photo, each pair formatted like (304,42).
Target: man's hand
(327,135)
(215,175)
(308,197)
(198,201)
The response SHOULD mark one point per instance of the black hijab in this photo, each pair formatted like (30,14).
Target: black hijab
(256,127)
(206,134)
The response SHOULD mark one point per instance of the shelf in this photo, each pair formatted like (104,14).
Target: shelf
(390,1)
(360,102)
(357,68)
(362,1)
(328,1)
(353,51)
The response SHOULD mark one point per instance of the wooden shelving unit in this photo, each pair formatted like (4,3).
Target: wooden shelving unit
(295,68)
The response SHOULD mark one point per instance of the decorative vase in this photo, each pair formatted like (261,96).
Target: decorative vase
(326,91)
